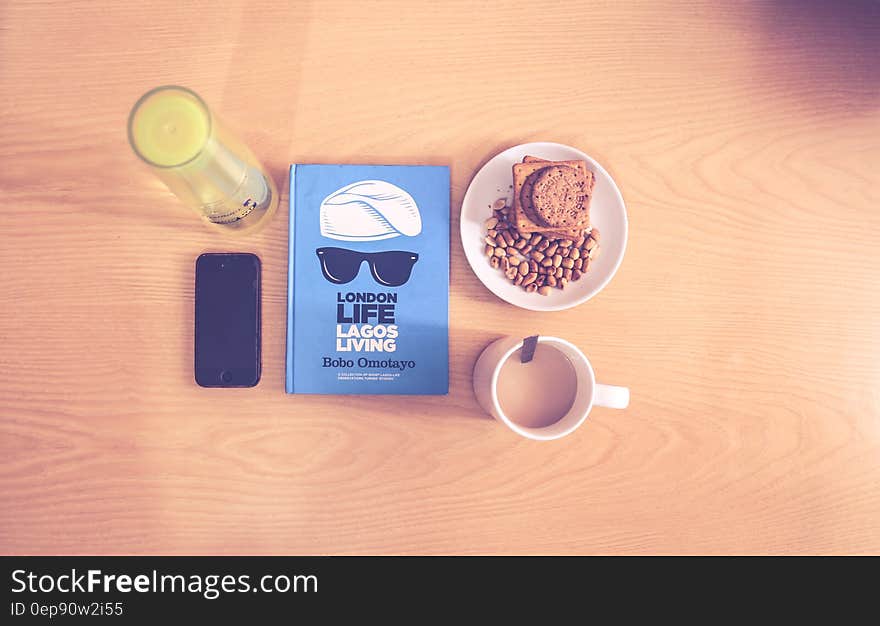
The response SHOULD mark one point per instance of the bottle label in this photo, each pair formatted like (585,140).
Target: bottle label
(252,194)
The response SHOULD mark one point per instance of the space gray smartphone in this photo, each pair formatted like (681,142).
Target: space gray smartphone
(227,320)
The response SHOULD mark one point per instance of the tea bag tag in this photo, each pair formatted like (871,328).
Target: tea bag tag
(528,349)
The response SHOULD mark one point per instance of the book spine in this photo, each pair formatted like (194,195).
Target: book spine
(290,280)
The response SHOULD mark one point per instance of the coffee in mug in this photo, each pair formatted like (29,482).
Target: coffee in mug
(540,392)
(548,398)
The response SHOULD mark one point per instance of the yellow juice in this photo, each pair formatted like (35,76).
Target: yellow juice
(206,166)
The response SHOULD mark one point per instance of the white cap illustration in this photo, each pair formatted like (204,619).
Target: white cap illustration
(369,210)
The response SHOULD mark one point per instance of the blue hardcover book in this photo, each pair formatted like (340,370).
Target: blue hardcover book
(368,280)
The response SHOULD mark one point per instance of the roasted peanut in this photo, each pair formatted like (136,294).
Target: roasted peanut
(594,253)
(595,234)
(534,261)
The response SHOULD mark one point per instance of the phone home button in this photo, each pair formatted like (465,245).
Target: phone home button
(226,377)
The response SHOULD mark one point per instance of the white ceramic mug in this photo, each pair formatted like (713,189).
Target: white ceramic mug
(589,392)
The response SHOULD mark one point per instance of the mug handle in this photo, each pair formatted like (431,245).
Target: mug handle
(611,397)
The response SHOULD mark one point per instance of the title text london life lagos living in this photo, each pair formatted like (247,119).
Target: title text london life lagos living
(365,322)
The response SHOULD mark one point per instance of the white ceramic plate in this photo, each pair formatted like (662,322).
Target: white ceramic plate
(607,213)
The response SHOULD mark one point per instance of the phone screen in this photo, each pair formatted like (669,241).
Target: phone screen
(227,320)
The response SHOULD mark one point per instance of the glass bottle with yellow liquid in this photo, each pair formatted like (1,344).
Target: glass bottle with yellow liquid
(207,167)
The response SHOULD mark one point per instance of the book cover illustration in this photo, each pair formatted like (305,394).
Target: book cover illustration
(368,280)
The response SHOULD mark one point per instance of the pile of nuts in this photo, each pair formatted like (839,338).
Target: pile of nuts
(535,262)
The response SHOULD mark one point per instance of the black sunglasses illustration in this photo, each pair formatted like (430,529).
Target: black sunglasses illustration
(391,268)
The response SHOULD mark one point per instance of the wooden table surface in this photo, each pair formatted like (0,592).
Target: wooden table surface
(745,138)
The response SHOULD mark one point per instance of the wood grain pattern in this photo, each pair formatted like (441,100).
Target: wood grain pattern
(745,138)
